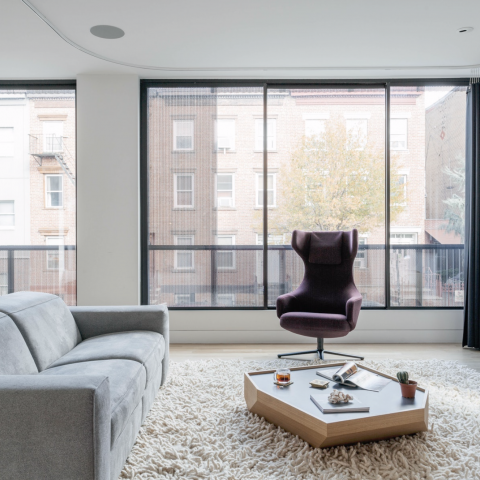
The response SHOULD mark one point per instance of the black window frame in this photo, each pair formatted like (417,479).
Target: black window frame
(266,84)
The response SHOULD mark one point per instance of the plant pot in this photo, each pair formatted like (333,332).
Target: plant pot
(408,389)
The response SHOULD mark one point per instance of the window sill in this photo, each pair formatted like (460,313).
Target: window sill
(185,209)
(183,270)
(182,151)
(268,151)
(53,208)
(225,151)
(270,207)
(226,209)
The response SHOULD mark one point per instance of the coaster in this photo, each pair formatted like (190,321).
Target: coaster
(283,384)
(319,383)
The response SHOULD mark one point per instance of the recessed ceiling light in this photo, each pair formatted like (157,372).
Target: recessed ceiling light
(465,29)
(107,31)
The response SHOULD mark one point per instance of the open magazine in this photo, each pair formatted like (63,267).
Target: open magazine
(351,375)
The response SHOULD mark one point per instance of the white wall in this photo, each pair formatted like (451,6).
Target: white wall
(108,219)
(108,245)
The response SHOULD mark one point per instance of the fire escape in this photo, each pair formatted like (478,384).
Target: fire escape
(52,146)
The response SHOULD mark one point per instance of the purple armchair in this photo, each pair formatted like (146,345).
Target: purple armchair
(327,302)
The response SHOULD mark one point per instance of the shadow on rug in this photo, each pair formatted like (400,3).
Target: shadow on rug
(200,428)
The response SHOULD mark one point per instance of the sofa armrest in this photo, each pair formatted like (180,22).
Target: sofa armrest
(54,427)
(94,321)
(286,303)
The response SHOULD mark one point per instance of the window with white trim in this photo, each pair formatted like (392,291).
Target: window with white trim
(361,258)
(403,238)
(271,190)
(357,132)
(225,134)
(271,134)
(225,258)
(7,214)
(272,239)
(54,191)
(225,190)
(402,184)
(398,133)
(52,136)
(184,259)
(184,190)
(183,137)
(184,299)
(314,128)
(225,299)
(7,145)
(56,257)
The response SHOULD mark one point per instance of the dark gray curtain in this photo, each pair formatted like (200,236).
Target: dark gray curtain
(471,331)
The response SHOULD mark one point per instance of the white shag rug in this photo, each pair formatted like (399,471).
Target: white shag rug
(200,428)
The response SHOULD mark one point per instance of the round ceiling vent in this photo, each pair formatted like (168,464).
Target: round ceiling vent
(107,31)
(465,29)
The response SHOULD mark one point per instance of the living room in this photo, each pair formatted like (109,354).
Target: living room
(206,210)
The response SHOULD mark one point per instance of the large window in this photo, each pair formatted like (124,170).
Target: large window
(325,168)
(37,191)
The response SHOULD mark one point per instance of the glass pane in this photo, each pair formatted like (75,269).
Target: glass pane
(184,259)
(224,117)
(35,143)
(427,196)
(184,182)
(54,183)
(7,207)
(331,182)
(55,199)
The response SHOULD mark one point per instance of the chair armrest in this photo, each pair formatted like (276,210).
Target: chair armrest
(354,304)
(54,427)
(286,303)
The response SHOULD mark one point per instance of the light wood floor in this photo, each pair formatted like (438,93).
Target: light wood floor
(447,351)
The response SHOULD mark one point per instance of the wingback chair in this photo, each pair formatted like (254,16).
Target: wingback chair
(327,302)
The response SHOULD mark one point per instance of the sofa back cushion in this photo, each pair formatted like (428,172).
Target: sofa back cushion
(15,357)
(45,323)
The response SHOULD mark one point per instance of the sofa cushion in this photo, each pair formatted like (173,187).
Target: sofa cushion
(45,323)
(15,357)
(147,348)
(127,381)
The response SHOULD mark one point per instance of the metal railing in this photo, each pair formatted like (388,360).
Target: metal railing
(41,268)
(420,275)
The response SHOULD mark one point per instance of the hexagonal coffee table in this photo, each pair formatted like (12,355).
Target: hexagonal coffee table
(390,414)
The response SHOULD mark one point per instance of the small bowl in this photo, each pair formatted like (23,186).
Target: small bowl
(409,389)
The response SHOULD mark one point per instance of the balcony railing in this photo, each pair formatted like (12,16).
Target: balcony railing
(420,275)
(40,268)
(232,276)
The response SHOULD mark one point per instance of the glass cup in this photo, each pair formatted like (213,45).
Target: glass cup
(282,375)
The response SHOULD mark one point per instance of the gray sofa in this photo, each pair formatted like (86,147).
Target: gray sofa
(75,385)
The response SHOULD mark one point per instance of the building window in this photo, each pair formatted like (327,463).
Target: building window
(55,258)
(225,134)
(314,128)
(361,258)
(184,299)
(54,191)
(403,238)
(184,259)
(225,190)
(226,299)
(271,190)
(183,134)
(225,258)
(183,190)
(401,181)
(52,137)
(6,142)
(7,213)
(271,134)
(398,133)
(271,239)
(357,132)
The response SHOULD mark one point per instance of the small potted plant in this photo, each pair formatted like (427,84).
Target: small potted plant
(409,387)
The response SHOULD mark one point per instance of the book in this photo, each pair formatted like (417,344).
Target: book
(321,401)
(352,375)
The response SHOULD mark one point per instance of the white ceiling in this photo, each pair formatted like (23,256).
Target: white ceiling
(249,38)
